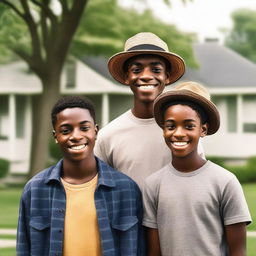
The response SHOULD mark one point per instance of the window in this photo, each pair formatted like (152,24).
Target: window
(4,118)
(20,115)
(71,74)
(249,117)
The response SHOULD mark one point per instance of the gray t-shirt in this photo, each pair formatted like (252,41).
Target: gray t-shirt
(134,146)
(190,209)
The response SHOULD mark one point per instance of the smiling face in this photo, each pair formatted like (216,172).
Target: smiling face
(147,76)
(182,130)
(75,132)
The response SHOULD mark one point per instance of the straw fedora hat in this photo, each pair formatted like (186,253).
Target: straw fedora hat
(193,92)
(145,43)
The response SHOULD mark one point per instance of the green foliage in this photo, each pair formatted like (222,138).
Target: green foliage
(4,167)
(245,173)
(242,36)
(54,152)
(106,26)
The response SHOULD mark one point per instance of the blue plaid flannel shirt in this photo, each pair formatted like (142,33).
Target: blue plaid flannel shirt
(42,212)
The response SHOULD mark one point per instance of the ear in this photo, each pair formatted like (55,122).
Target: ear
(96,128)
(54,136)
(167,79)
(204,130)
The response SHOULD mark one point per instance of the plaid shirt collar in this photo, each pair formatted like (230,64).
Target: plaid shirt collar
(105,176)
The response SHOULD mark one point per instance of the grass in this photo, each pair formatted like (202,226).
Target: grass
(9,205)
(250,194)
(7,252)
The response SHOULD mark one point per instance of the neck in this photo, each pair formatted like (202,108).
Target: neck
(143,110)
(78,172)
(188,163)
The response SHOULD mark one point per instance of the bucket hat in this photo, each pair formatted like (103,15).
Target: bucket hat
(192,92)
(145,43)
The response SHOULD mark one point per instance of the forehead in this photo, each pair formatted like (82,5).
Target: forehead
(148,59)
(73,115)
(180,111)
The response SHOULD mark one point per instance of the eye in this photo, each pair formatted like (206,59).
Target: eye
(190,126)
(157,70)
(85,128)
(65,131)
(170,127)
(136,70)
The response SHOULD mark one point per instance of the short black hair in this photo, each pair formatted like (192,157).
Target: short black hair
(199,110)
(167,63)
(72,102)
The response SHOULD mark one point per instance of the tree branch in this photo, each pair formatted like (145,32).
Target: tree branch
(35,39)
(13,7)
(64,5)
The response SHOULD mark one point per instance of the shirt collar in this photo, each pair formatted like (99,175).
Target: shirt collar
(104,170)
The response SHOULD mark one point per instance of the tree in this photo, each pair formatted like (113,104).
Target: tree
(242,36)
(43,37)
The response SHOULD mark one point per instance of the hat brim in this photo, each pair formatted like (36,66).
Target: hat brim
(116,63)
(173,95)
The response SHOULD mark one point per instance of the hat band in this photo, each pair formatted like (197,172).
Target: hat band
(146,47)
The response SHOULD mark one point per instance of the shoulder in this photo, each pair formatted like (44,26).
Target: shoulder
(154,180)
(219,171)
(115,124)
(38,181)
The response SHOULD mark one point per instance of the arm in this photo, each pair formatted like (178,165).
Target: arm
(153,244)
(23,239)
(236,239)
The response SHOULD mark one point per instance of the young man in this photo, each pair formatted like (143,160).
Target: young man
(80,206)
(133,143)
(192,206)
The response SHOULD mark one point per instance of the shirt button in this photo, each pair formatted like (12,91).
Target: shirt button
(60,231)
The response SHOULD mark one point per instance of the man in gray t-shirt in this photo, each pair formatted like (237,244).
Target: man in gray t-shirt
(192,207)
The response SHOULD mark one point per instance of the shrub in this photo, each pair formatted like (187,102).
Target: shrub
(54,151)
(4,167)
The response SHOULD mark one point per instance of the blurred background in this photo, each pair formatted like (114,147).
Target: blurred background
(60,48)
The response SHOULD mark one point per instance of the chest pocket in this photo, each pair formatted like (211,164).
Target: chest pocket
(39,223)
(125,223)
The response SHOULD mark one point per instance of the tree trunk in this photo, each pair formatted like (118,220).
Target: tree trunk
(41,129)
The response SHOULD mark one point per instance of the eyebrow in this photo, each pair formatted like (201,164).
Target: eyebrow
(83,122)
(151,63)
(186,120)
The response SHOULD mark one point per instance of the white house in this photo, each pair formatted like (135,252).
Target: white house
(230,78)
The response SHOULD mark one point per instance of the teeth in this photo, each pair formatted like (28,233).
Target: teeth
(78,147)
(145,87)
(179,143)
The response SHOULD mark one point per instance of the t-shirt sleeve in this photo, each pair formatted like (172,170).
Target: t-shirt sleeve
(99,149)
(150,206)
(234,207)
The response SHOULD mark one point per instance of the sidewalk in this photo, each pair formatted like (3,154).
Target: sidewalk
(4,243)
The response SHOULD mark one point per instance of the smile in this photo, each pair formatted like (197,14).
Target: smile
(146,87)
(179,143)
(78,147)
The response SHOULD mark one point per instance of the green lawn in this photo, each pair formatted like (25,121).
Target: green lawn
(9,205)
(250,194)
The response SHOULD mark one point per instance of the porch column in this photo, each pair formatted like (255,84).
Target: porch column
(240,113)
(105,110)
(12,126)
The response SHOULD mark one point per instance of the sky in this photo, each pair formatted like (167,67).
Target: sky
(205,17)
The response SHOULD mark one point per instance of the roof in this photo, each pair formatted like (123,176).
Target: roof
(91,82)
(15,78)
(221,67)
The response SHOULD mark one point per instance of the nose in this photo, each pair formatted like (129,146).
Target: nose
(76,135)
(179,132)
(146,74)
